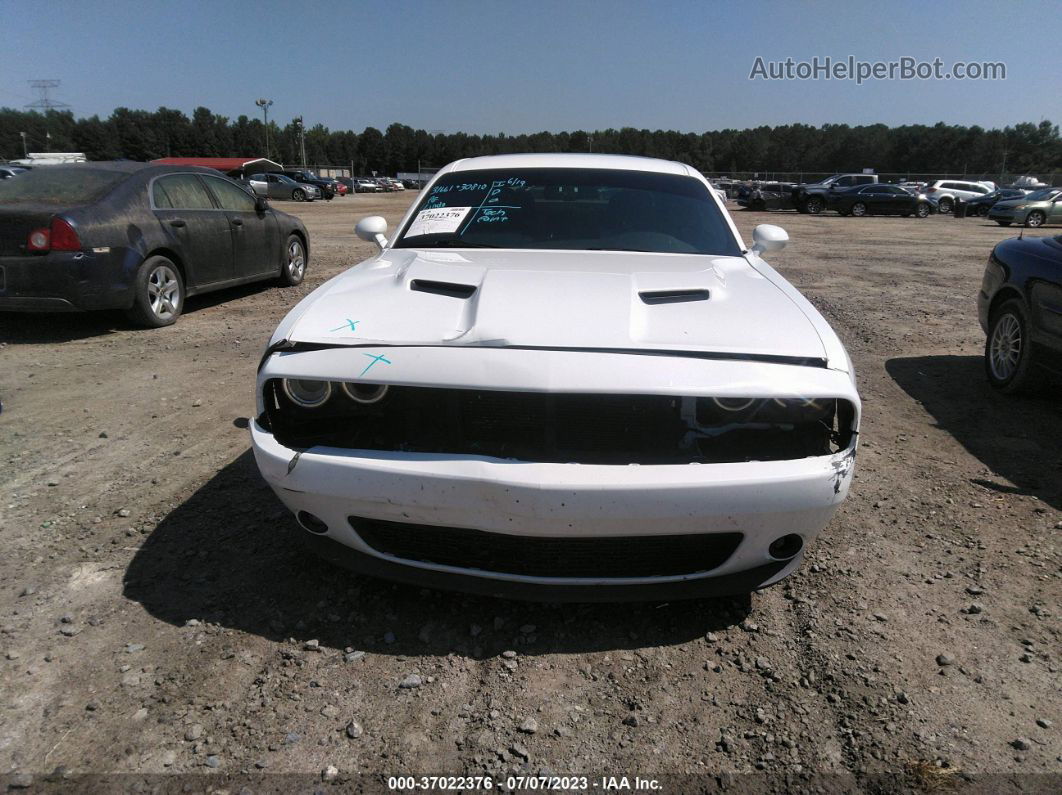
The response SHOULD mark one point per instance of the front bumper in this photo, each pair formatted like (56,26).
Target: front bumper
(761,500)
(68,281)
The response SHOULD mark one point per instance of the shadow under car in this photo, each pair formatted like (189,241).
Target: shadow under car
(232,554)
(1014,436)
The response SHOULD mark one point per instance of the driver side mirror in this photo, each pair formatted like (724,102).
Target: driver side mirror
(260,204)
(768,237)
(372,228)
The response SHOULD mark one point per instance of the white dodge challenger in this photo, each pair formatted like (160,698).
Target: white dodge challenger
(564,377)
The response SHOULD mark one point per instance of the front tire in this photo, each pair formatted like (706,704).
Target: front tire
(922,210)
(1035,219)
(815,205)
(1009,361)
(294,270)
(859,209)
(298,195)
(946,206)
(158,294)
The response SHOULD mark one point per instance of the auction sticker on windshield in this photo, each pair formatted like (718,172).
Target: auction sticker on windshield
(437,221)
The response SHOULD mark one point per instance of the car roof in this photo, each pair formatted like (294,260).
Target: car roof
(615,162)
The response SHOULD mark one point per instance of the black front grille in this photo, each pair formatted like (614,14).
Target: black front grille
(611,557)
(548,427)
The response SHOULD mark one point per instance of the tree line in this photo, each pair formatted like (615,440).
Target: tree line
(912,148)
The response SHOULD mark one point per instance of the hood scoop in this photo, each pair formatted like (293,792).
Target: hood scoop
(451,289)
(673,296)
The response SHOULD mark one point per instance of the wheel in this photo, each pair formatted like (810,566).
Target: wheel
(1003,223)
(859,209)
(946,206)
(982,211)
(922,210)
(158,294)
(298,195)
(815,205)
(1035,218)
(1008,351)
(294,262)
(758,204)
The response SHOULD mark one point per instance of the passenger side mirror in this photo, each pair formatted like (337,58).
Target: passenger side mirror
(372,228)
(768,237)
(260,204)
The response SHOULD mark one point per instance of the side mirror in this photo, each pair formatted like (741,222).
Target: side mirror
(768,237)
(372,228)
(260,204)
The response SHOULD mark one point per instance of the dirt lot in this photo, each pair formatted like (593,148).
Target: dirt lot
(156,617)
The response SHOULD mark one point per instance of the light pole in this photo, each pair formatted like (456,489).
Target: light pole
(301,127)
(264,105)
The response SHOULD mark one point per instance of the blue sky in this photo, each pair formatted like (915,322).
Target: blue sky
(500,66)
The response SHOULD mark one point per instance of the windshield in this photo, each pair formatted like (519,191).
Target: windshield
(60,186)
(570,208)
(1041,195)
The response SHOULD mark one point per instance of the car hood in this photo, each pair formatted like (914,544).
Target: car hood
(558,299)
(1011,204)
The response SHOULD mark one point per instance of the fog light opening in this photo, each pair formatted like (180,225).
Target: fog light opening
(786,547)
(311,523)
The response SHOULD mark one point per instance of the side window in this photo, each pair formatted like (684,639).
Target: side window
(845,182)
(185,192)
(231,197)
(271,178)
(160,197)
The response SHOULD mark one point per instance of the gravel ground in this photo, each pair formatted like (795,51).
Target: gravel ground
(157,617)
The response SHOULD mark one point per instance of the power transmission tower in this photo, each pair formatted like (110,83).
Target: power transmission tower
(45,103)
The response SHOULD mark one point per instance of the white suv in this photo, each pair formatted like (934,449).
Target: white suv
(944,192)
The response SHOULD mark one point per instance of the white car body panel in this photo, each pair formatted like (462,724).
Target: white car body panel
(513,287)
(546,321)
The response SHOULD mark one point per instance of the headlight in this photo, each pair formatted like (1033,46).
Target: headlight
(365,393)
(308,394)
(733,404)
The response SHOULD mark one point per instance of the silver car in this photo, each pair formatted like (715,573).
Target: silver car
(277,186)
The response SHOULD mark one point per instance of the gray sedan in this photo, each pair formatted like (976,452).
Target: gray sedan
(277,186)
